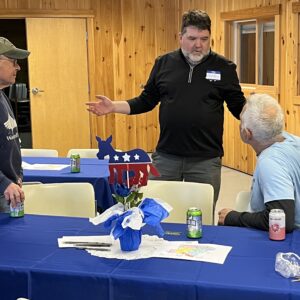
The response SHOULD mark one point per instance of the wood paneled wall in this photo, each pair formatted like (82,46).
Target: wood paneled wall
(130,34)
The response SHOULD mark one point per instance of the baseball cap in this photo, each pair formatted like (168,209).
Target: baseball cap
(10,50)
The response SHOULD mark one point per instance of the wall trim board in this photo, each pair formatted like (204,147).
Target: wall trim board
(46,13)
(264,11)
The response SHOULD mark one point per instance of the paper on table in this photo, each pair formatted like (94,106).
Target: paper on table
(49,167)
(153,246)
(26,166)
(200,252)
(157,247)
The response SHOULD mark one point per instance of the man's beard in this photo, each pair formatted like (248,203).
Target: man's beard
(192,57)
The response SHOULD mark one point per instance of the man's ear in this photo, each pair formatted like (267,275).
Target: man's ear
(247,134)
(180,36)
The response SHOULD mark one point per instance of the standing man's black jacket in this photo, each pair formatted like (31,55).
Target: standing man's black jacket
(191,103)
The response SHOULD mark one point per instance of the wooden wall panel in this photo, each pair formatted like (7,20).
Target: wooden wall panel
(130,34)
(119,79)
(150,53)
(104,69)
(140,70)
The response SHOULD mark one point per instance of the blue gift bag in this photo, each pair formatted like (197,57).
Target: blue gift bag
(130,240)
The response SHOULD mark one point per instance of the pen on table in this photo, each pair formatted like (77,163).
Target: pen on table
(172,232)
(97,244)
(92,248)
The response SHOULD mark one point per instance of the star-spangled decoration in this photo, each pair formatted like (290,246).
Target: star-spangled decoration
(132,165)
(126,157)
(106,151)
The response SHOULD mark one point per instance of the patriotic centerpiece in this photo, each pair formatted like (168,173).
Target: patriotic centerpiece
(129,171)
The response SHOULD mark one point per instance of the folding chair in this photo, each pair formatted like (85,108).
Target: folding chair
(242,201)
(76,199)
(181,196)
(39,152)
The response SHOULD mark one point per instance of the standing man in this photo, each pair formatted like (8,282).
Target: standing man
(276,179)
(191,85)
(10,153)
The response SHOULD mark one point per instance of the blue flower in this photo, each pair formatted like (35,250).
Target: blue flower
(122,190)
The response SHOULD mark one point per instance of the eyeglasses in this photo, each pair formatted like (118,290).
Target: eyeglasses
(13,61)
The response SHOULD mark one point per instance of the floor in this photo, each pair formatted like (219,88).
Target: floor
(232,182)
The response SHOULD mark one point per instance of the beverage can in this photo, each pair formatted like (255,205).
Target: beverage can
(194,223)
(17,211)
(75,163)
(277,224)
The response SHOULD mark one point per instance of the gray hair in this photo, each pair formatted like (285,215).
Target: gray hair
(263,116)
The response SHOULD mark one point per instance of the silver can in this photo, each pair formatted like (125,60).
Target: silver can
(277,225)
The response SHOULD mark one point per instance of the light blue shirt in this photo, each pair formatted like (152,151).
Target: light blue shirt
(277,175)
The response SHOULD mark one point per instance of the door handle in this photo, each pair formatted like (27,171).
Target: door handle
(35,91)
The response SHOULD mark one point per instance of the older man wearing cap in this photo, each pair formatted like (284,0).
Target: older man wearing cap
(10,153)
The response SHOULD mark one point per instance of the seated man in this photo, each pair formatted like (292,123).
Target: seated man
(276,179)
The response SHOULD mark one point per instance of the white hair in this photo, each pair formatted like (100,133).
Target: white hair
(263,116)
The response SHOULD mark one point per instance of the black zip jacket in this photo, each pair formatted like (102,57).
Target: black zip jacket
(191,113)
(260,219)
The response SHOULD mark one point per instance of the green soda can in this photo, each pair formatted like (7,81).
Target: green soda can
(17,211)
(75,163)
(194,223)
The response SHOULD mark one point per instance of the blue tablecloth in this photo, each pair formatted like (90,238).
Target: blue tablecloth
(32,265)
(92,170)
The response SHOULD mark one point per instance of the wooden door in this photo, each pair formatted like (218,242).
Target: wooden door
(58,68)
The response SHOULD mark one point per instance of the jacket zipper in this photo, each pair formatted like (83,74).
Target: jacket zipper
(190,74)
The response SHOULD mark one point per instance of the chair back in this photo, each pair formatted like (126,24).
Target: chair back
(181,196)
(76,199)
(39,152)
(242,201)
(84,153)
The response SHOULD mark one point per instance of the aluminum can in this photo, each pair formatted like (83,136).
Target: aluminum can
(277,225)
(194,223)
(17,211)
(75,163)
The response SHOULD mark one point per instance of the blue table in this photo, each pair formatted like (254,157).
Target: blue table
(92,170)
(32,265)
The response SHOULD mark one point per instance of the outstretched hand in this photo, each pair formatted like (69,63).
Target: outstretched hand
(102,107)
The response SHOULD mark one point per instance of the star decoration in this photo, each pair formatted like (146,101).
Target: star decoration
(126,157)
(136,157)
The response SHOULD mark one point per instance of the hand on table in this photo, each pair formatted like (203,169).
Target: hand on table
(222,215)
(14,194)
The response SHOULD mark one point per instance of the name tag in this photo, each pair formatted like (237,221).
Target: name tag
(213,75)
